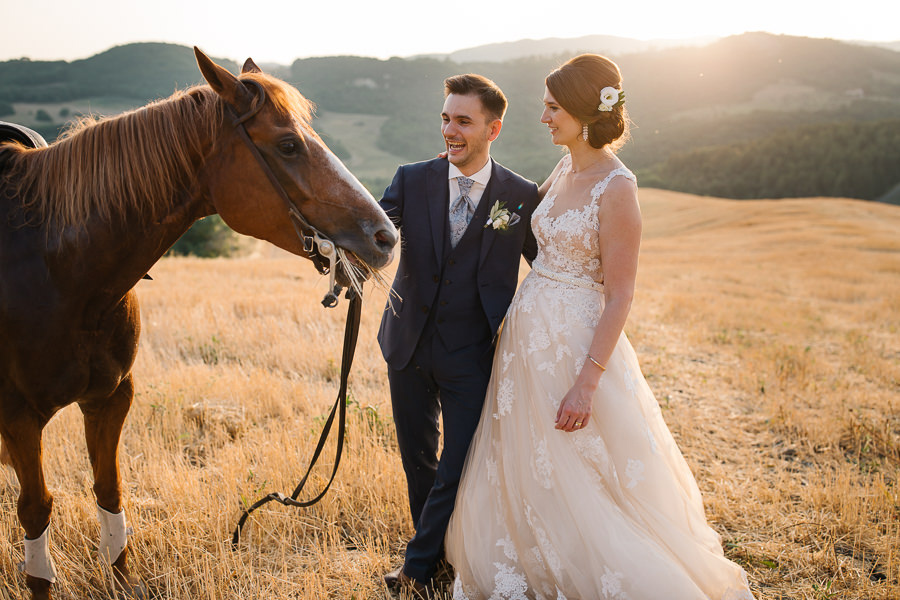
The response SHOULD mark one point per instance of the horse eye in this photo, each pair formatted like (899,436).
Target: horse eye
(289,147)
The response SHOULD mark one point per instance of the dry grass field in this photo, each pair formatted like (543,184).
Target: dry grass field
(769,331)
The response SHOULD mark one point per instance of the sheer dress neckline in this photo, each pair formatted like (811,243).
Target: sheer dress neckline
(566,226)
(590,175)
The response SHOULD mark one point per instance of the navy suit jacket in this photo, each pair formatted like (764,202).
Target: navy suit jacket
(418,202)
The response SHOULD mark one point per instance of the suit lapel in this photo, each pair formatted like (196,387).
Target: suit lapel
(438,195)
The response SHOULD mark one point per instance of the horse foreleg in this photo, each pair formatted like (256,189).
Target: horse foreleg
(22,440)
(103,422)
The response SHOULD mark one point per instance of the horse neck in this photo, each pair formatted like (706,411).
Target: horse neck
(106,260)
(135,165)
(120,225)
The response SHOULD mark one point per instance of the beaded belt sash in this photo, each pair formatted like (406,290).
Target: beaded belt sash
(589,284)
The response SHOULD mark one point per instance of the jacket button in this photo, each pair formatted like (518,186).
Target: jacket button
(435,278)
(452,262)
(443,303)
(424,309)
(446,282)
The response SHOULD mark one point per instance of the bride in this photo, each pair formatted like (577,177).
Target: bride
(573,485)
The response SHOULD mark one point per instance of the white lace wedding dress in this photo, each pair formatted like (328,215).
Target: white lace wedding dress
(609,511)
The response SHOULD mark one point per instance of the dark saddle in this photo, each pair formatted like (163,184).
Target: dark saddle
(11,132)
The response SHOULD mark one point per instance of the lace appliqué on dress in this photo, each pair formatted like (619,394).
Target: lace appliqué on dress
(505,397)
(634,472)
(507,358)
(538,340)
(541,465)
(612,584)
(509,549)
(594,449)
(509,584)
(491,471)
(544,548)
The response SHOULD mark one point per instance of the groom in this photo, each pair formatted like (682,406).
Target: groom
(454,282)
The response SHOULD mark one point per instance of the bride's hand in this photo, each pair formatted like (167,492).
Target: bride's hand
(575,409)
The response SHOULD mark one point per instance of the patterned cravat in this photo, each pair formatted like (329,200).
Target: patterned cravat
(461,210)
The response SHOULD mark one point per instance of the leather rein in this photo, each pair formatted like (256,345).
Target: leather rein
(319,249)
(316,244)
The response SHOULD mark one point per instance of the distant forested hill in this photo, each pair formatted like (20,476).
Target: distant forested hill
(139,71)
(851,159)
(692,107)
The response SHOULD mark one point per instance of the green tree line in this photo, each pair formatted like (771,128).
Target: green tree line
(855,159)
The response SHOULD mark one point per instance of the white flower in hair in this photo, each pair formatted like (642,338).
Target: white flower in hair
(610,98)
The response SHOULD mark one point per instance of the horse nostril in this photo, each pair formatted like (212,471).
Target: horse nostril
(386,239)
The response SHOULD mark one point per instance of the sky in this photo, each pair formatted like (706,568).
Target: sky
(281,31)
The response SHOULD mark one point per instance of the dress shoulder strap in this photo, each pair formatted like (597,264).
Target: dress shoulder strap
(600,187)
(566,162)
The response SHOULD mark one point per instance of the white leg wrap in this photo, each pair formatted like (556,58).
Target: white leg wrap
(38,562)
(113,534)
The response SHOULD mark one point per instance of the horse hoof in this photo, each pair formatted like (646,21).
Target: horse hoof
(134,590)
(129,587)
(40,588)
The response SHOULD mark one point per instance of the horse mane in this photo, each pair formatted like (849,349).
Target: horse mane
(286,100)
(135,161)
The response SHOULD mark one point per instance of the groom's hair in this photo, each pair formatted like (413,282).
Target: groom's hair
(490,94)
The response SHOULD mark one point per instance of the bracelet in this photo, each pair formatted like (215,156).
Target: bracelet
(594,360)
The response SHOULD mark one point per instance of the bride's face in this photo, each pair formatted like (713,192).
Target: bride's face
(565,129)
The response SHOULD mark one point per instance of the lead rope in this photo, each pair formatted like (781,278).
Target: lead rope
(318,247)
(351,333)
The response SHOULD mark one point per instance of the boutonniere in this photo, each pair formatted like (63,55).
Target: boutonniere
(500,218)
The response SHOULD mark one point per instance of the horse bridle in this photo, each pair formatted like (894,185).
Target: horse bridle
(319,249)
(318,246)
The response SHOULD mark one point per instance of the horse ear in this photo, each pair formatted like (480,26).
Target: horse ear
(226,85)
(250,67)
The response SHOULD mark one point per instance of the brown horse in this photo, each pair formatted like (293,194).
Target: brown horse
(81,221)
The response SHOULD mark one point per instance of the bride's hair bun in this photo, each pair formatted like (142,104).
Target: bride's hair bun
(576,86)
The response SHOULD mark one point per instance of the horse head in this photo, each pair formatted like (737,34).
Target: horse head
(279,182)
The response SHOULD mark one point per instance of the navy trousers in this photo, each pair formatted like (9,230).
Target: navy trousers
(436,383)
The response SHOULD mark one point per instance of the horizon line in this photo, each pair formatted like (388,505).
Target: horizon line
(693,40)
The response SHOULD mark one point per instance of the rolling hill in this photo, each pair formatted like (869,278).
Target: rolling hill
(730,95)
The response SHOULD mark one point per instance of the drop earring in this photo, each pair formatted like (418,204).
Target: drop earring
(584,132)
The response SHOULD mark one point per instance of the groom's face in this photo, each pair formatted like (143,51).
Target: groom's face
(468,132)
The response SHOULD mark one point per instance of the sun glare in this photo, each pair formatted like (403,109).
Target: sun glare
(281,32)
